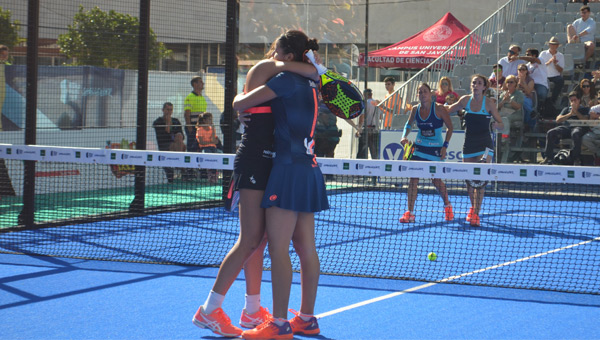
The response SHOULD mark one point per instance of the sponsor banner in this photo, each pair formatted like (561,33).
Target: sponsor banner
(390,148)
(386,169)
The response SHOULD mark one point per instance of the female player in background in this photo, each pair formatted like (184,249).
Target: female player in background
(478,138)
(429,146)
(295,191)
(252,166)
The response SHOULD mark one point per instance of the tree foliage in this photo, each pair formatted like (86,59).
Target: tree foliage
(107,39)
(9,31)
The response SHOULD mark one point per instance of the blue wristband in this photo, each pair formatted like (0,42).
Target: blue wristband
(445,145)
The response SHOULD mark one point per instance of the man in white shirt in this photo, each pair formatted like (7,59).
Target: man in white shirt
(555,63)
(583,30)
(369,138)
(510,63)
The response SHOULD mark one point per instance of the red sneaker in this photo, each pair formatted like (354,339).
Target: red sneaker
(299,326)
(270,330)
(469,214)
(253,320)
(217,321)
(474,219)
(407,218)
(448,213)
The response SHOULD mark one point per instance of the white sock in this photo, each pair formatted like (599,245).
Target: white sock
(305,317)
(252,303)
(214,301)
(279,321)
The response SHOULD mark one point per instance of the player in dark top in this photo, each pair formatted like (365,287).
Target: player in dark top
(252,167)
(479,113)
(295,190)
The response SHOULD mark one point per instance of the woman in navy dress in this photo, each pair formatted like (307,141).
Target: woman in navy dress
(295,190)
(478,139)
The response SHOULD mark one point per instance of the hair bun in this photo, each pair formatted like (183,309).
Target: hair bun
(312,44)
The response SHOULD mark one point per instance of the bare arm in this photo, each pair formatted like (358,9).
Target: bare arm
(255,97)
(260,73)
(459,105)
(409,123)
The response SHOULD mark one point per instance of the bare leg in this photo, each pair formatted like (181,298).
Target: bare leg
(252,230)
(589,49)
(304,244)
(280,228)
(441,188)
(413,188)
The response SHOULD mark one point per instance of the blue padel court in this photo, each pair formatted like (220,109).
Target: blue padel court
(378,281)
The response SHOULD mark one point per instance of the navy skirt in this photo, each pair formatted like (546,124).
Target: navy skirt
(296,187)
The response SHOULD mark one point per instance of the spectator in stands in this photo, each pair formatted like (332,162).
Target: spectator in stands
(587,93)
(369,138)
(511,62)
(511,104)
(498,81)
(526,84)
(391,106)
(583,30)
(539,74)
(591,140)
(451,98)
(4,57)
(443,90)
(166,128)
(555,62)
(576,133)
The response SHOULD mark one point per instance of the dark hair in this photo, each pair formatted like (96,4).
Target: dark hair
(390,79)
(3,48)
(426,85)
(574,94)
(533,52)
(585,8)
(368,91)
(497,66)
(195,80)
(297,43)
(486,82)
(167,104)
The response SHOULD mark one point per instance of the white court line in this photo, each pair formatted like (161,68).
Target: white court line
(451,278)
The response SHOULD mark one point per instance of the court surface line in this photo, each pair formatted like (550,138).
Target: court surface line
(450,278)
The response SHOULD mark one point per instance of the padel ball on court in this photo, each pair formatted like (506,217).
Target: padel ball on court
(432,256)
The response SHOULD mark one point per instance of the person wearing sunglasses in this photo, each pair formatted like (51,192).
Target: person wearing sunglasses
(498,81)
(511,62)
(443,90)
(587,93)
(537,71)
(526,84)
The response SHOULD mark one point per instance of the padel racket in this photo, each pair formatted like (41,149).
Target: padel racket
(484,158)
(409,149)
(339,94)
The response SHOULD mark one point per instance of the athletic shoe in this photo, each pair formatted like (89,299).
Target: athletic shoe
(474,219)
(217,321)
(448,213)
(469,214)
(270,330)
(299,326)
(253,320)
(407,218)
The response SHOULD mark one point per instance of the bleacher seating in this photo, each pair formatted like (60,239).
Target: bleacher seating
(577,50)
(522,38)
(564,17)
(542,38)
(536,8)
(533,27)
(544,17)
(513,27)
(555,8)
(524,18)
(486,70)
(476,59)
(573,7)
(554,27)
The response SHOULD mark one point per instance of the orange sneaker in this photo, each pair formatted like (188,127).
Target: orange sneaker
(448,213)
(473,219)
(469,214)
(407,218)
(217,321)
(270,330)
(253,320)
(299,326)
